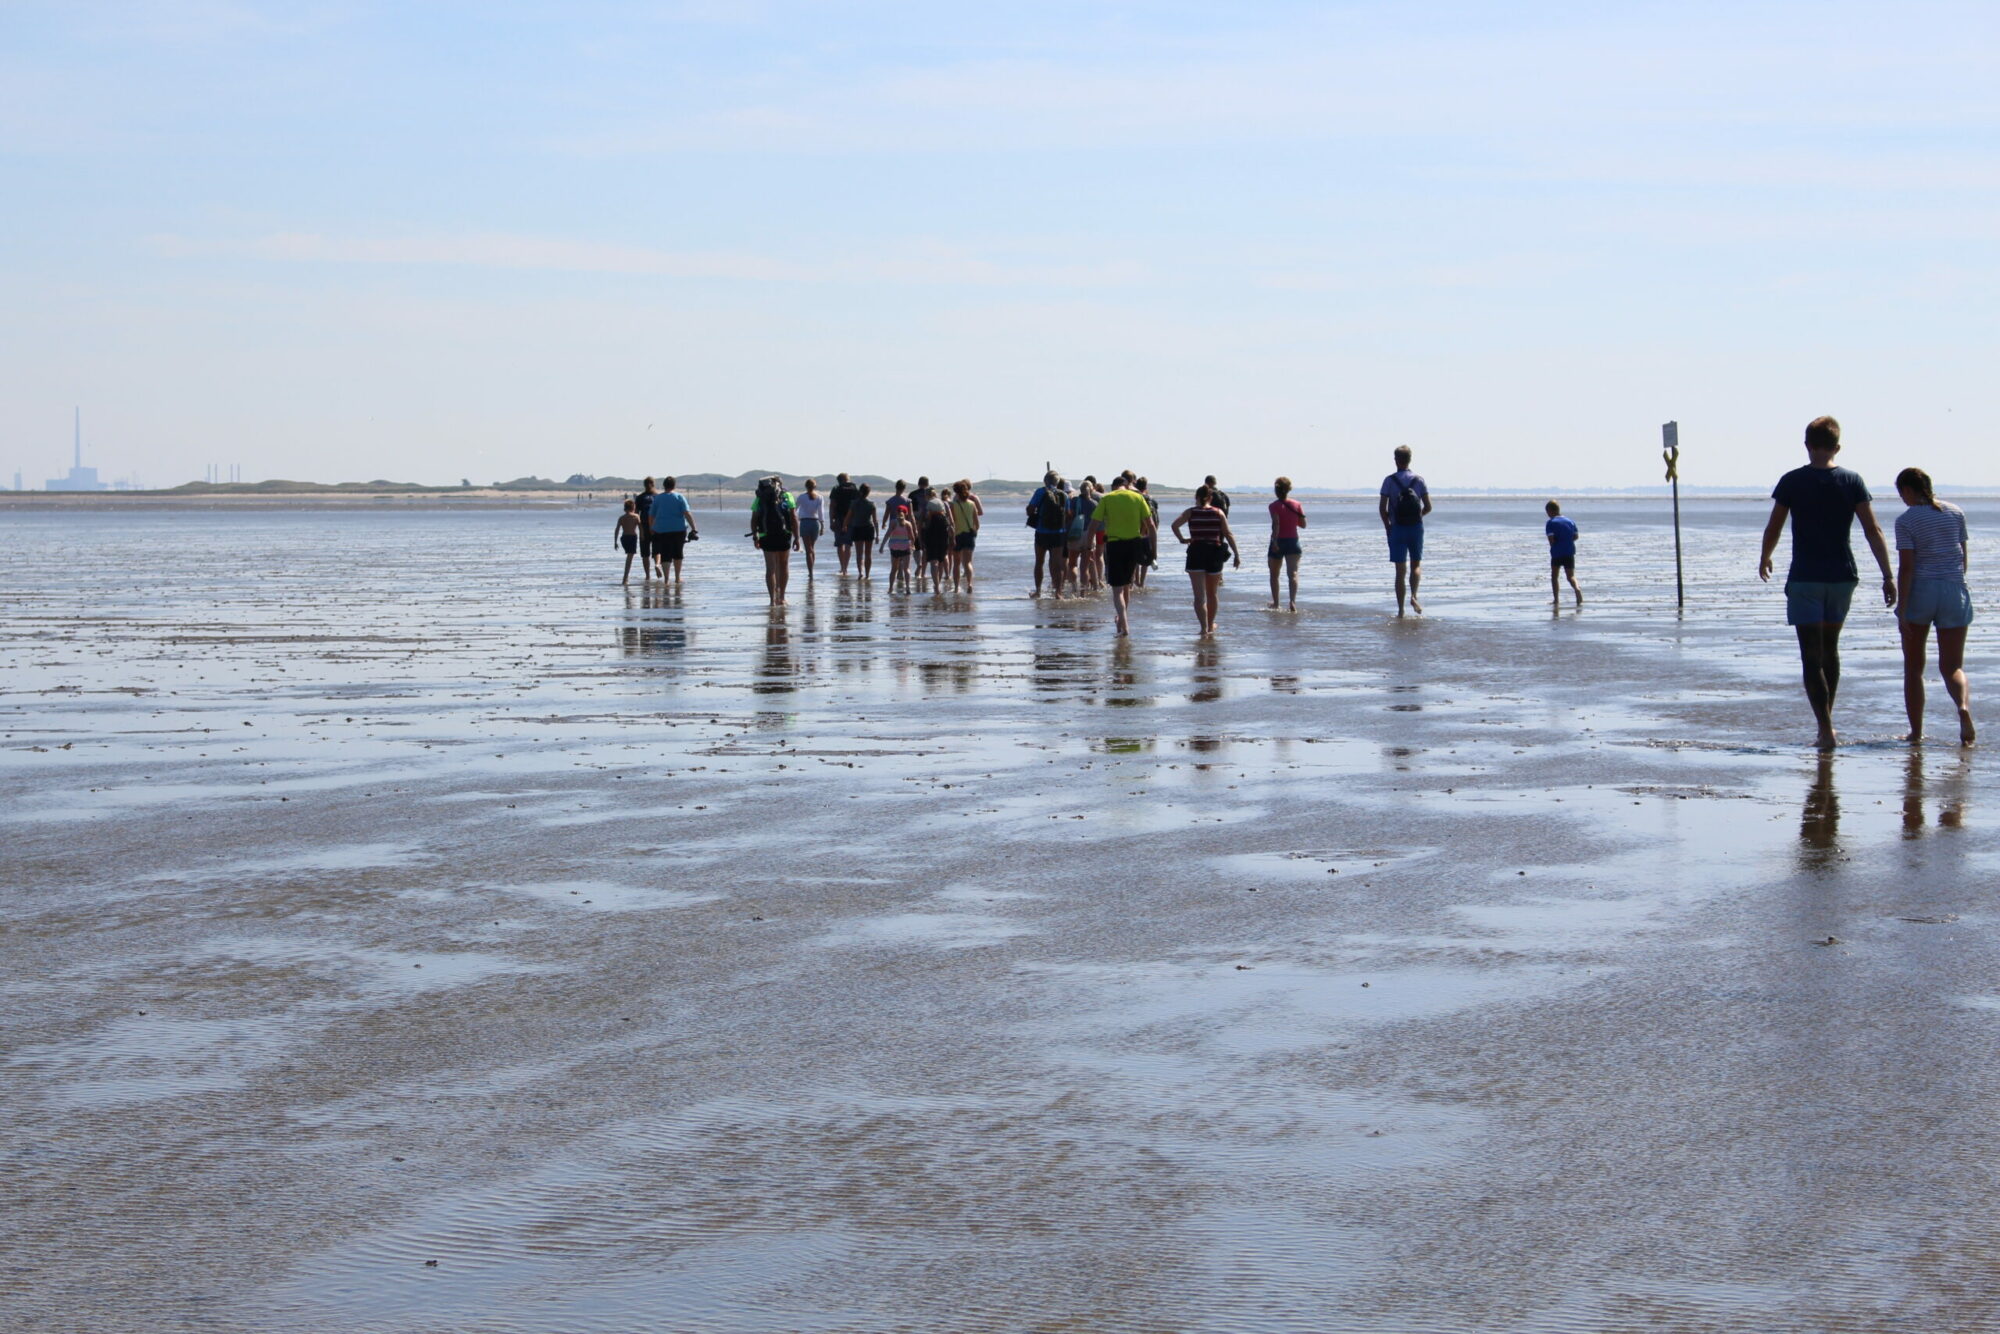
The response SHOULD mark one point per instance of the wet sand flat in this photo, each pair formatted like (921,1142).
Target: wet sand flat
(407,929)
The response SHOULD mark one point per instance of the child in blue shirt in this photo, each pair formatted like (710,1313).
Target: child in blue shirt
(1562,553)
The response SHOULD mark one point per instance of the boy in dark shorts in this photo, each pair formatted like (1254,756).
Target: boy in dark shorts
(625,533)
(1562,553)
(1822,500)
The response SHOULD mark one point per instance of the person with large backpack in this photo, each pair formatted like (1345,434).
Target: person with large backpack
(774,527)
(1404,502)
(1048,515)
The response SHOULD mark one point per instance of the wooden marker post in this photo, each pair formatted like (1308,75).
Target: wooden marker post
(1670,441)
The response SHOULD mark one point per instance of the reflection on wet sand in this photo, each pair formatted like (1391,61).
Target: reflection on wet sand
(1207,675)
(1951,808)
(1819,820)
(645,632)
(777,669)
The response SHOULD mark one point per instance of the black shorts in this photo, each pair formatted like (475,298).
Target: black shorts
(779,541)
(1564,563)
(965,541)
(936,549)
(863,534)
(668,546)
(1122,558)
(1206,557)
(630,542)
(1051,541)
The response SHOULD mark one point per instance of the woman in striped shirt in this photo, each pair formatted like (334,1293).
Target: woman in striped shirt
(1930,586)
(1208,540)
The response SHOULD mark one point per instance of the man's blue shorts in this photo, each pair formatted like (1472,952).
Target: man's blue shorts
(1810,603)
(1944,603)
(1406,543)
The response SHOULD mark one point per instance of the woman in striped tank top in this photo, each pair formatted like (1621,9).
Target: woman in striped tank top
(1208,540)
(1930,587)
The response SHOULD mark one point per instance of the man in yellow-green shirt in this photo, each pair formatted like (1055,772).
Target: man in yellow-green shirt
(1124,521)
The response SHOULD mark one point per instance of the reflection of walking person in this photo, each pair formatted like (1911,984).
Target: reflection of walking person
(1930,577)
(1562,553)
(1209,541)
(1822,501)
(625,533)
(1404,503)
(1287,517)
(774,528)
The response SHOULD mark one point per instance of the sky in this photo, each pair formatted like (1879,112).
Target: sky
(434,241)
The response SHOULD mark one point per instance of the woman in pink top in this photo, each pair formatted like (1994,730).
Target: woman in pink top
(1287,517)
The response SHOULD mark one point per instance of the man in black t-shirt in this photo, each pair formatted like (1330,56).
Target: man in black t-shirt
(1216,495)
(1822,501)
(838,500)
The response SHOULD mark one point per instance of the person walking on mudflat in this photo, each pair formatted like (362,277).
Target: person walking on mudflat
(1048,515)
(1287,517)
(837,502)
(1822,500)
(1562,534)
(1124,521)
(812,519)
(1404,502)
(673,529)
(625,533)
(774,527)
(1930,580)
(1209,542)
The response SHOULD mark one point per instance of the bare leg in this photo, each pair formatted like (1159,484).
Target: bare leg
(1402,584)
(810,543)
(1121,597)
(1041,560)
(1214,582)
(784,572)
(1951,663)
(1819,655)
(1275,563)
(1195,578)
(1916,639)
(1555,583)
(1416,577)
(1292,576)
(1574,587)
(628,569)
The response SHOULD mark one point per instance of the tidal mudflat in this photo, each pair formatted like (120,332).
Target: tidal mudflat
(407,929)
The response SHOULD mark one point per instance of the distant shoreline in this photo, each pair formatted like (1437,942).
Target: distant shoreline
(449,498)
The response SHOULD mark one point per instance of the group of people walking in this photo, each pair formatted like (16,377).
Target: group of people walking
(1927,588)
(1090,537)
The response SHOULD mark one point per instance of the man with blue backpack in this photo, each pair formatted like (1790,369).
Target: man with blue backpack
(1404,503)
(1048,515)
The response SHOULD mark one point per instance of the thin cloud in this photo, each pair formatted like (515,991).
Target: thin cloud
(923,265)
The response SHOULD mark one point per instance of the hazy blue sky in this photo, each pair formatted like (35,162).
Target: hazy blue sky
(433,240)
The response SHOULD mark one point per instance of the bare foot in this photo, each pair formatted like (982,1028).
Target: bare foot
(1914,738)
(1827,740)
(1416,606)
(1967,733)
